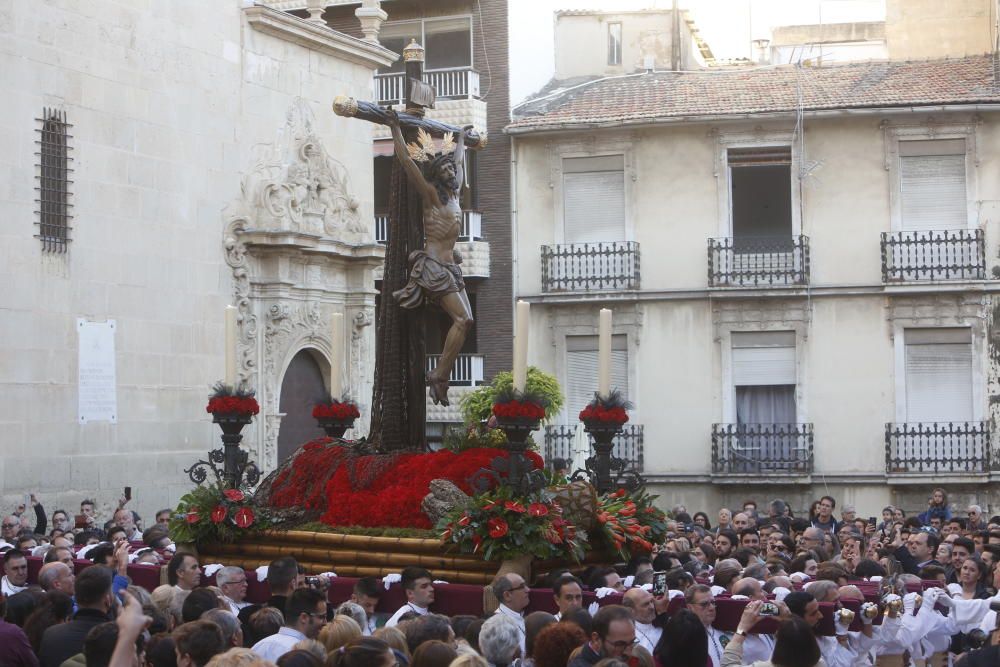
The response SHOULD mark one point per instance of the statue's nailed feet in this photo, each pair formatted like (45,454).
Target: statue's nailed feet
(439,389)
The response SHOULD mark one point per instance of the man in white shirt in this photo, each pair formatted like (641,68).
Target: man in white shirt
(513,593)
(232,581)
(568,592)
(15,572)
(305,616)
(700,600)
(641,601)
(418,584)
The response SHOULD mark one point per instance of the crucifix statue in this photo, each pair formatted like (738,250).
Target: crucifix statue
(421,265)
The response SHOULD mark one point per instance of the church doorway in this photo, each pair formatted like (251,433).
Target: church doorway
(302,387)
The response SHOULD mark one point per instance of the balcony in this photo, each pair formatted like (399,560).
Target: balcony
(452,83)
(769,449)
(472,227)
(560,438)
(467,371)
(583,267)
(761,261)
(912,256)
(938,448)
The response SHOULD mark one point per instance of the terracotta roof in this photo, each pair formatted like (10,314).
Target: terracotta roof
(667,95)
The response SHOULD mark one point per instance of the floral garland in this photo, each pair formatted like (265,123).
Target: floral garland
(342,410)
(502,526)
(610,409)
(333,479)
(213,513)
(631,523)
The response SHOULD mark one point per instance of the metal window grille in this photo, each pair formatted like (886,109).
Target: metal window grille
(53,205)
(758,261)
(590,266)
(933,255)
(628,445)
(938,447)
(762,448)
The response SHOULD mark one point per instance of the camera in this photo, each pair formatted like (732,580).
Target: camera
(312,582)
(660,583)
(769,609)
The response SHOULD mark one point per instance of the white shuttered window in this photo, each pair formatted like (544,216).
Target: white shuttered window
(938,375)
(932,184)
(764,358)
(594,199)
(581,370)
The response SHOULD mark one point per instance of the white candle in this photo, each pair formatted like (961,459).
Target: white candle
(604,353)
(337,356)
(230,346)
(521,345)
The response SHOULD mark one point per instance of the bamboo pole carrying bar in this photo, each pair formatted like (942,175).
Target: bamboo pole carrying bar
(366,542)
(344,557)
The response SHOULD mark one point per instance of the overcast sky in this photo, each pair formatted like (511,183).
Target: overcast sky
(724,24)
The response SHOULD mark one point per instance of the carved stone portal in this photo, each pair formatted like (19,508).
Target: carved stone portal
(299,251)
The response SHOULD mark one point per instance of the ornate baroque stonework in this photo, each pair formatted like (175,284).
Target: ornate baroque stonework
(299,252)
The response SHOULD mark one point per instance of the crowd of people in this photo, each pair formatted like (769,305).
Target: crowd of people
(935,577)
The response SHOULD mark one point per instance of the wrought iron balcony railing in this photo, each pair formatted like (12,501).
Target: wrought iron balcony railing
(956,254)
(579,267)
(560,442)
(937,448)
(467,371)
(472,227)
(762,448)
(758,261)
(451,83)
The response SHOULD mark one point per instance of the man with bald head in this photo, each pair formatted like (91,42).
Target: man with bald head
(56,576)
(126,521)
(741,522)
(642,604)
(749,587)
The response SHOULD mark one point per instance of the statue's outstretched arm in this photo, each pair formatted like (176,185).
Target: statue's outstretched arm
(403,155)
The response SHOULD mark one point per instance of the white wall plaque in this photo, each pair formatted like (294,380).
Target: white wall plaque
(96,379)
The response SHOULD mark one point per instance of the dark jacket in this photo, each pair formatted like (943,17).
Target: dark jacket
(909,563)
(15,651)
(61,642)
(586,658)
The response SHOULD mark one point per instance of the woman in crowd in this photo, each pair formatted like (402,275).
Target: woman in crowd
(683,642)
(364,652)
(970,579)
(725,521)
(701,519)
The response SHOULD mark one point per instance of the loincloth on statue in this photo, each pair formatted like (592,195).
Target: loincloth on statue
(429,280)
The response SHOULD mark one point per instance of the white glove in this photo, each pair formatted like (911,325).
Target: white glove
(674,594)
(875,577)
(780,593)
(628,581)
(839,626)
(799,576)
(593,608)
(212,568)
(954,589)
(738,597)
(864,617)
(718,590)
(604,592)
(945,600)
(262,573)
(390,579)
(647,587)
(909,603)
(333,575)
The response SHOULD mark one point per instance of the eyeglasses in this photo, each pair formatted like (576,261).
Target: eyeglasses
(316,614)
(623,644)
(519,588)
(707,603)
(10,525)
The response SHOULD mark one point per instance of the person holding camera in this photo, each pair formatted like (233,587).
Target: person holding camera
(794,643)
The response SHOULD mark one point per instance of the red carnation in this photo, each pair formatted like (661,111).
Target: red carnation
(244,517)
(234,495)
(538,509)
(218,514)
(497,527)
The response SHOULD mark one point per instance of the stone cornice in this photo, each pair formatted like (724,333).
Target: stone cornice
(317,37)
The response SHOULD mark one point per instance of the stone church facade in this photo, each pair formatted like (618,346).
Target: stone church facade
(205,169)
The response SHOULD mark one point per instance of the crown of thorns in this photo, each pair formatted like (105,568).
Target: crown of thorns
(426,147)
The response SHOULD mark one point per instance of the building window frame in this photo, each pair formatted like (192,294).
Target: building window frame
(757,138)
(423,36)
(728,387)
(893,135)
(52,174)
(615,44)
(606,149)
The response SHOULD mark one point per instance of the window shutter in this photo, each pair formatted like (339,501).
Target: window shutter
(764,358)
(938,375)
(932,184)
(581,370)
(594,199)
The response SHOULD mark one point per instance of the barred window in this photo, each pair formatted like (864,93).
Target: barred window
(53,205)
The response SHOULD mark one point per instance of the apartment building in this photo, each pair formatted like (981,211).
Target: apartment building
(802,267)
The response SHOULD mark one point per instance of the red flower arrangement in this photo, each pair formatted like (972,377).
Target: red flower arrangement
(501,526)
(611,409)
(630,523)
(374,490)
(233,405)
(342,410)
(231,516)
(519,409)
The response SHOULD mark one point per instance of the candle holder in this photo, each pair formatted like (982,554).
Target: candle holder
(603,419)
(232,410)
(517,415)
(336,416)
